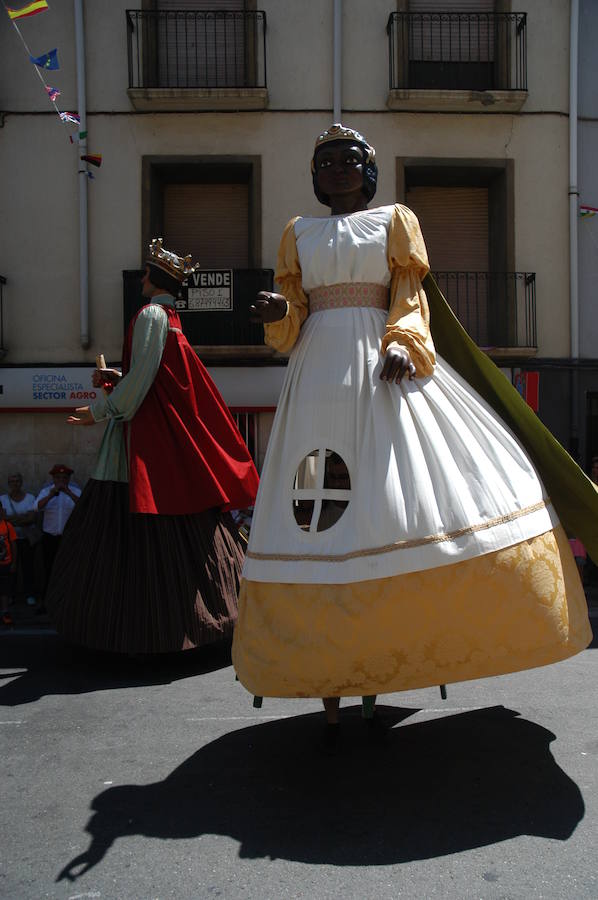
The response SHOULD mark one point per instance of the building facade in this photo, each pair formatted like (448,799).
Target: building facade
(205,114)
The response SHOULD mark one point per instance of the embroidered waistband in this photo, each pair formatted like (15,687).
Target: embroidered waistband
(338,296)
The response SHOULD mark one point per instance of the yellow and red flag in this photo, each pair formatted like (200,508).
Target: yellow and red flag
(30,10)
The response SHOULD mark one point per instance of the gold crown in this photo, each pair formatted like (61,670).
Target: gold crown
(338,132)
(178,267)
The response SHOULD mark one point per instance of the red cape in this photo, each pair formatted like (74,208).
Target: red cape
(185,451)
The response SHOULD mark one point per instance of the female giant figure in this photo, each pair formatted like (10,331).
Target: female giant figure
(402,536)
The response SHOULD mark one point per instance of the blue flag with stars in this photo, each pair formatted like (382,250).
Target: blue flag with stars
(47,60)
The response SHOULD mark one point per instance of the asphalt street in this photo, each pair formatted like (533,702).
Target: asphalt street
(150,779)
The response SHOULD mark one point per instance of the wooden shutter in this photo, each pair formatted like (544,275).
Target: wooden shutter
(454,222)
(210,221)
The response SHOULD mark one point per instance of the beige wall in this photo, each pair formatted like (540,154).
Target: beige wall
(33,442)
(42,313)
(39,183)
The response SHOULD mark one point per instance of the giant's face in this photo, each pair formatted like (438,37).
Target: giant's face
(339,168)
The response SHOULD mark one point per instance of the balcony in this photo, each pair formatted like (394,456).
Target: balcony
(497,309)
(197,60)
(457,61)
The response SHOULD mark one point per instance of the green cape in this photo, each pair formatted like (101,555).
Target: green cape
(572,493)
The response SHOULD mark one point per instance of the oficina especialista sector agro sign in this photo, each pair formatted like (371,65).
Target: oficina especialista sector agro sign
(46,388)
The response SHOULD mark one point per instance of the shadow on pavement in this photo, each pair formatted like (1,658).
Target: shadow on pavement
(54,667)
(429,789)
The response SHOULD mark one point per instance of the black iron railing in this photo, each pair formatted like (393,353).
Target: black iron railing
(196,49)
(497,309)
(2,347)
(458,51)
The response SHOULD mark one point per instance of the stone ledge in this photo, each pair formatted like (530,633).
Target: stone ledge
(455,101)
(510,352)
(189,99)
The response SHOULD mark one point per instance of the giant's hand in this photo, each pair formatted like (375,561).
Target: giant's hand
(82,416)
(397,363)
(268,307)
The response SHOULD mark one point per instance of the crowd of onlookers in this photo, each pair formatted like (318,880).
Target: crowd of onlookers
(31,527)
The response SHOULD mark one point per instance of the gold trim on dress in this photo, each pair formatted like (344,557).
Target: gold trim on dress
(403,545)
(346,294)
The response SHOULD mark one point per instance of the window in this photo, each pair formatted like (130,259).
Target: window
(451,44)
(197,54)
(202,43)
(206,206)
(465,209)
(454,222)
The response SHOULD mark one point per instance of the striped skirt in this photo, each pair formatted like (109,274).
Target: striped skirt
(133,583)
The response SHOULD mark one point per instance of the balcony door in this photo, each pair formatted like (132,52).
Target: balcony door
(451,44)
(454,222)
(201,43)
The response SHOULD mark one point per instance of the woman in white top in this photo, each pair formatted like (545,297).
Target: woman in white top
(443,558)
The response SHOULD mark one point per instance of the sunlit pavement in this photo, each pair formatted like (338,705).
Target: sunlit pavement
(132,779)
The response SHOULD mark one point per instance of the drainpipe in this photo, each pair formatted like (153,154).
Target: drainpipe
(337,55)
(82,170)
(573,224)
(573,191)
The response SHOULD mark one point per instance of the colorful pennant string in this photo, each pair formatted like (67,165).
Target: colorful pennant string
(49,61)
(586,212)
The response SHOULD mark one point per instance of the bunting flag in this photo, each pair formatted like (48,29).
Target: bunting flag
(52,92)
(77,138)
(94,158)
(47,60)
(70,117)
(32,9)
(586,212)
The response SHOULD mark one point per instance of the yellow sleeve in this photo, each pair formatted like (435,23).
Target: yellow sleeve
(408,322)
(283,334)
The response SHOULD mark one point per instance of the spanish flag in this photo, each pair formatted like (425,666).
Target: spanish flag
(32,9)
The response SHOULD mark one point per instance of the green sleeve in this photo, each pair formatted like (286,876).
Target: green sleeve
(149,339)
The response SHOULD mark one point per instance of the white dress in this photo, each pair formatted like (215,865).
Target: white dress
(435,556)
(435,477)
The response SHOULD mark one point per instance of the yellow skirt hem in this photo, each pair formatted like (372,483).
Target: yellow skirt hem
(503,612)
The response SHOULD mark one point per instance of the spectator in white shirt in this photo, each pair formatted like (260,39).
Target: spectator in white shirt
(19,509)
(57,502)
